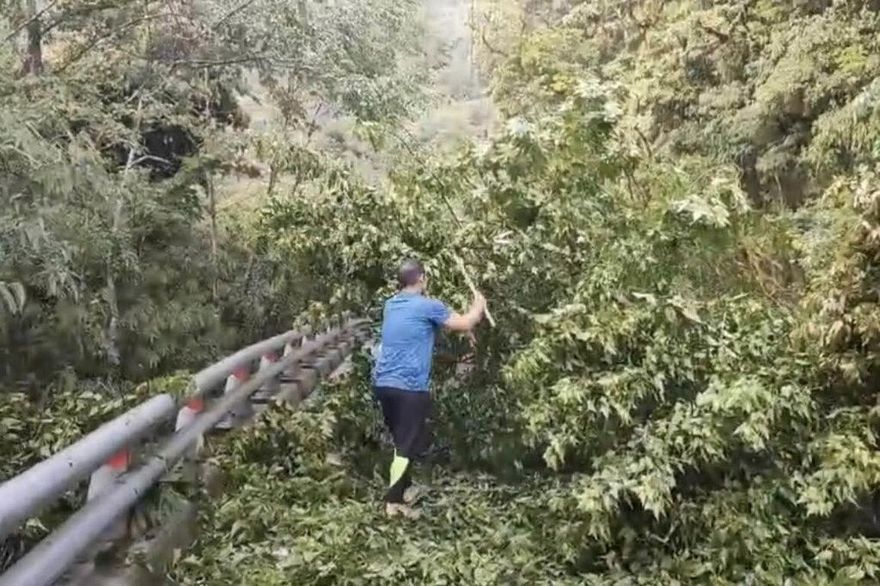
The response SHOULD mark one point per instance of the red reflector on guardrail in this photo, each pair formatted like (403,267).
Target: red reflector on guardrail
(119,460)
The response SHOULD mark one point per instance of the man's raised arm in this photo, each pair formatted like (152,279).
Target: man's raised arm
(466,322)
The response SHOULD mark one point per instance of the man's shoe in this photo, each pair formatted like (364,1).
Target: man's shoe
(395,509)
(412,494)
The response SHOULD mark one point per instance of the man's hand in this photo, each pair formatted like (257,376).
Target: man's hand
(466,322)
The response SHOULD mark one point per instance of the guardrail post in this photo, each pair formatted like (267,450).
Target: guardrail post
(310,373)
(101,481)
(187,414)
(262,397)
(240,413)
(289,348)
(288,389)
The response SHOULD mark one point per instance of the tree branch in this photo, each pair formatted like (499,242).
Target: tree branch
(723,37)
(144,158)
(84,49)
(30,21)
(231,13)
(208,63)
(489,46)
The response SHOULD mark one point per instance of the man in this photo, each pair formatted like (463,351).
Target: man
(403,370)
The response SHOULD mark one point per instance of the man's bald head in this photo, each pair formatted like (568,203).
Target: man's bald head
(410,273)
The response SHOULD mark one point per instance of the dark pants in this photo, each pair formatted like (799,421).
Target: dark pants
(406,416)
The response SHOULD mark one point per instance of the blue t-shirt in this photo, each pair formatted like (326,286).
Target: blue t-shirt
(409,322)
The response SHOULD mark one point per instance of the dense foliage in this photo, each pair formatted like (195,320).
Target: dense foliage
(121,123)
(113,254)
(679,389)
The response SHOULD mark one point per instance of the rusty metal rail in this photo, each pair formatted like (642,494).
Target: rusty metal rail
(286,367)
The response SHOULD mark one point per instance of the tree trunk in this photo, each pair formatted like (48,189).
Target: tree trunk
(33,63)
(273,178)
(114,355)
(212,202)
(212,210)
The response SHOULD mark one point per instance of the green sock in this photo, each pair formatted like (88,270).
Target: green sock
(398,467)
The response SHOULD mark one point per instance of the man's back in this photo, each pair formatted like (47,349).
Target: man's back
(409,323)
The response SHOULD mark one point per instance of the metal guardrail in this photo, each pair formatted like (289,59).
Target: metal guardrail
(26,494)
(215,374)
(105,453)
